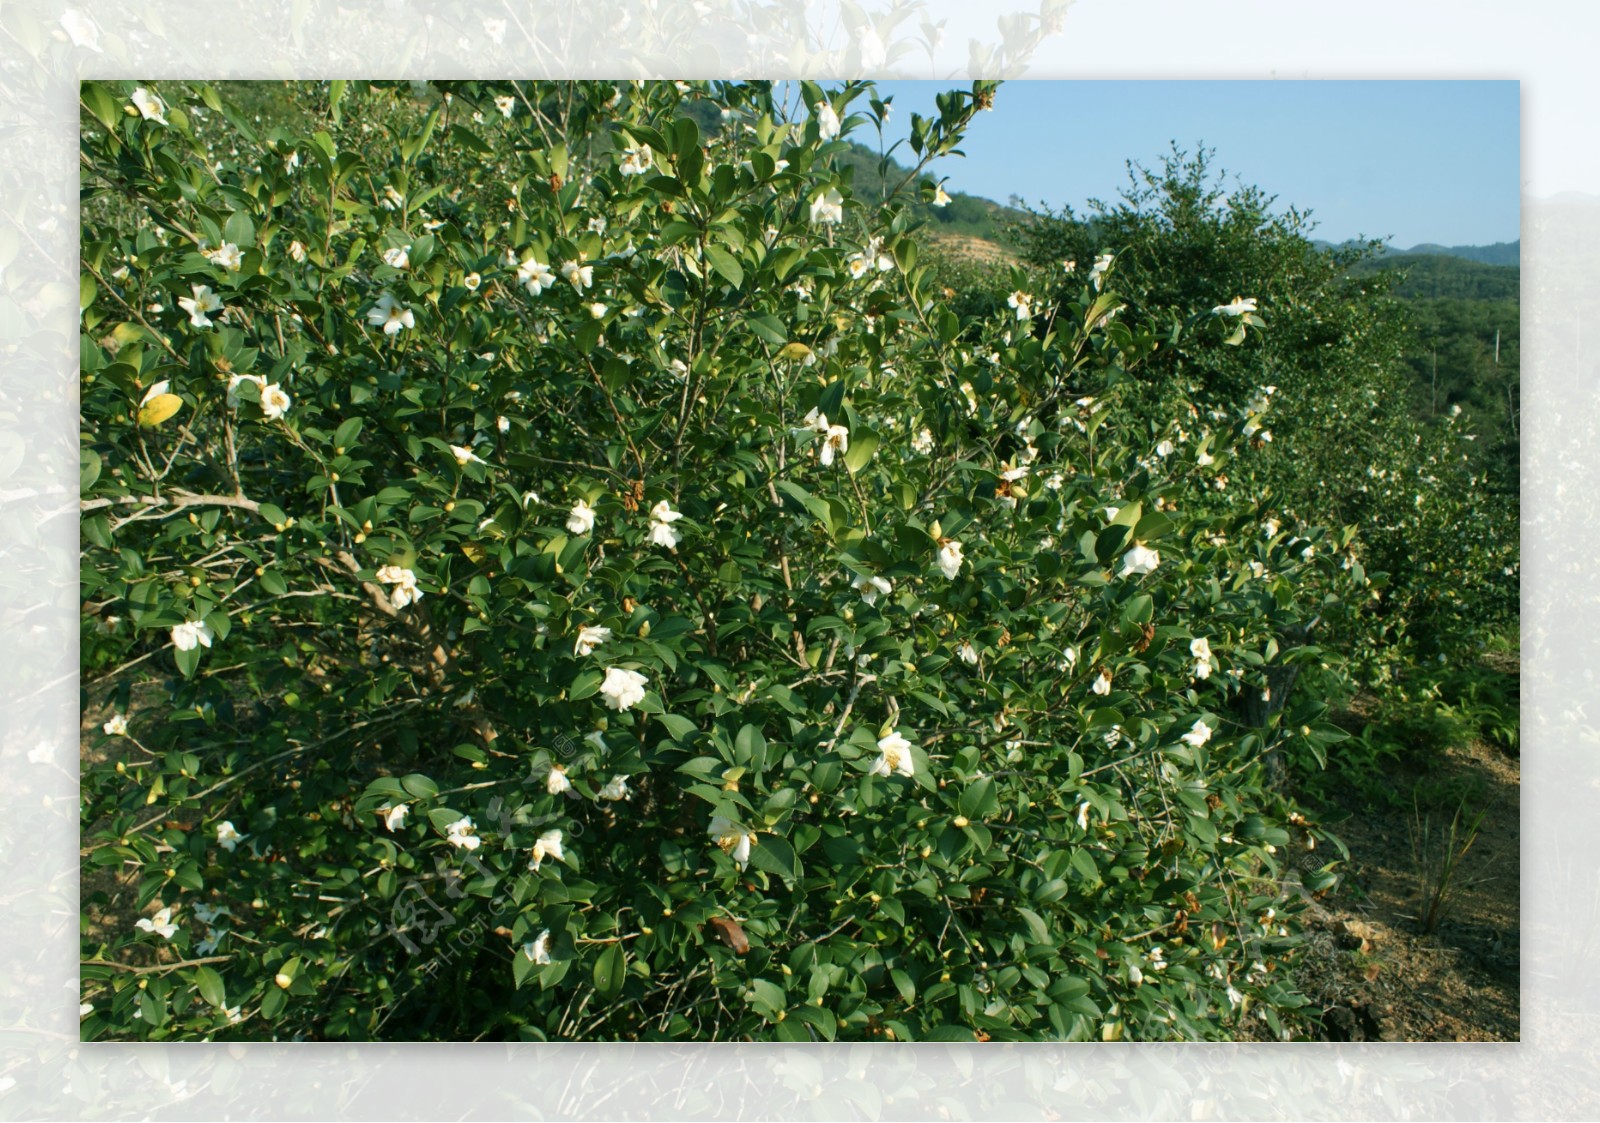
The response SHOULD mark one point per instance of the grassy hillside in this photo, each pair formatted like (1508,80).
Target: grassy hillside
(966,215)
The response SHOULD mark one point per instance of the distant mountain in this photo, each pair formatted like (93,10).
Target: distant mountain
(1500,253)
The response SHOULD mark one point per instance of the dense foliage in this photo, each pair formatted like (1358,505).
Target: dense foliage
(1355,439)
(561,574)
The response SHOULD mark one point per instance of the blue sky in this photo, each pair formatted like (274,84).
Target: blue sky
(1408,161)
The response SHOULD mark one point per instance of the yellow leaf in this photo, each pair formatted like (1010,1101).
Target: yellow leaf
(475,553)
(158,409)
(794,351)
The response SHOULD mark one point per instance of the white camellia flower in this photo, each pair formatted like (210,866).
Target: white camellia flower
(397,256)
(580,520)
(1201,650)
(1198,735)
(968,653)
(404,582)
(548,846)
(390,315)
(274,402)
(1069,659)
(161,924)
(940,198)
(1165,449)
(197,306)
(579,276)
(228,836)
(150,107)
(117,726)
(616,788)
(556,782)
(731,839)
(81,30)
(871,587)
(922,443)
(894,755)
(226,255)
(1140,559)
(827,209)
(465,455)
(1102,682)
(1022,303)
(297,251)
(1270,528)
(662,516)
(590,636)
(836,440)
(395,817)
(816,421)
(637,160)
(597,310)
(235,381)
(827,121)
(506,104)
(622,689)
(535,276)
(1097,274)
(950,558)
(538,949)
(460,834)
(191,633)
(1237,308)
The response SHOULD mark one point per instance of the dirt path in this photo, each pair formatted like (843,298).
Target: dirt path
(1376,974)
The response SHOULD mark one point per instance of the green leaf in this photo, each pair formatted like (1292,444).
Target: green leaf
(769,328)
(419,786)
(773,854)
(610,970)
(88,469)
(750,746)
(948,1033)
(767,996)
(273,1002)
(727,265)
(863,443)
(211,987)
(586,685)
(240,230)
(345,436)
(678,728)
(187,660)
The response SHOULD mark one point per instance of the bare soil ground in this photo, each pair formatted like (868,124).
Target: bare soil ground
(1376,974)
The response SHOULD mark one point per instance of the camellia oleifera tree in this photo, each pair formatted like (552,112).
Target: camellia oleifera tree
(1437,535)
(551,571)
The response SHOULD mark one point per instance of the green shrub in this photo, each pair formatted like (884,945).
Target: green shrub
(504,645)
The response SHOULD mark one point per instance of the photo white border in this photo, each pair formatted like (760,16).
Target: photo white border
(46,1073)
